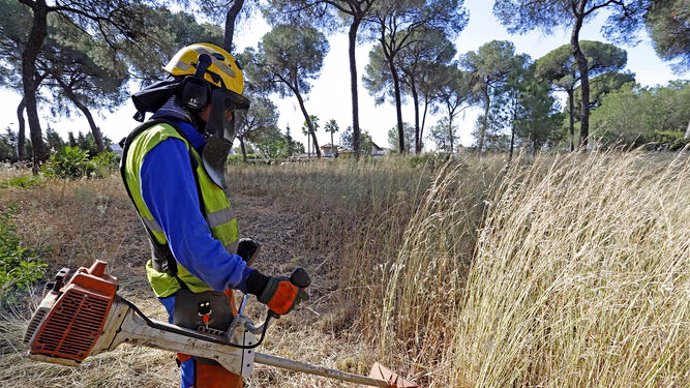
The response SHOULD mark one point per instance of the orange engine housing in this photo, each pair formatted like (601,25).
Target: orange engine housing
(70,319)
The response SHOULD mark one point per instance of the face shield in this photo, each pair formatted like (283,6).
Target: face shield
(227,108)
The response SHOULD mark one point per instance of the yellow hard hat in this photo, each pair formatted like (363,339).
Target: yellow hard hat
(223,72)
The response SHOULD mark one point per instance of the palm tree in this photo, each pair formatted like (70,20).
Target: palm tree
(305,131)
(332,127)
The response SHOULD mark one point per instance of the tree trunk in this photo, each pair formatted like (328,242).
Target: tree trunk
(426,109)
(243,148)
(450,133)
(230,19)
(398,102)
(310,125)
(352,36)
(687,132)
(39,30)
(21,132)
(584,75)
(571,118)
(417,128)
(485,121)
(95,131)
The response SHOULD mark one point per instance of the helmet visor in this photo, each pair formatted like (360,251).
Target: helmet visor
(226,106)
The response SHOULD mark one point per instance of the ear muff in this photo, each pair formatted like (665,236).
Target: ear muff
(195,92)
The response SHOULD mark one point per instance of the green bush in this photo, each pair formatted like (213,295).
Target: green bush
(69,162)
(670,140)
(19,266)
(74,163)
(106,162)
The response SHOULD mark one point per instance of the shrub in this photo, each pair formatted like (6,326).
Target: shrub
(106,163)
(69,162)
(74,162)
(19,266)
(670,140)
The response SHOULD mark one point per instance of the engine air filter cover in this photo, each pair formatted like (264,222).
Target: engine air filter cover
(70,320)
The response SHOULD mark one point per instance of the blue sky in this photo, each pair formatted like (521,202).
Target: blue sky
(330,97)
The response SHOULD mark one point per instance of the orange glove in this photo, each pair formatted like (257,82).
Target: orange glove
(282,294)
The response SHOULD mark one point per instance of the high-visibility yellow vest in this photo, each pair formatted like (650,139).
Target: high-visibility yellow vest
(214,204)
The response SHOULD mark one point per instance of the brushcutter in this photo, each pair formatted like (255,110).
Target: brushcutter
(82,315)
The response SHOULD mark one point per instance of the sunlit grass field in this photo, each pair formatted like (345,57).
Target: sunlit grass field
(555,271)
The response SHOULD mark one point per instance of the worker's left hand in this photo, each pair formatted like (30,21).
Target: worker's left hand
(283,293)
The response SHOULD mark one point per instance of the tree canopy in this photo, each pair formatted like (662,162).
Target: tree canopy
(668,22)
(287,60)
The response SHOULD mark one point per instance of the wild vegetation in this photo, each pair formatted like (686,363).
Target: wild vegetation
(554,271)
(513,262)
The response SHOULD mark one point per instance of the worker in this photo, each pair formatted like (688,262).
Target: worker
(173,169)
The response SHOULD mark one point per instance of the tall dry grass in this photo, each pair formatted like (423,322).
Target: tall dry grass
(580,277)
(564,271)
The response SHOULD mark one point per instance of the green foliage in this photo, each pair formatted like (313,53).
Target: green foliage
(634,115)
(602,85)
(70,163)
(669,27)
(490,69)
(287,59)
(331,127)
(22,181)
(106,163)
(537,120)
(8,143)
(19,266)
(559,67)
(445,135)
(670,140)
(274,147)
(239,159)
(393,142)
(261,118)
(164,34)
(428,160)
(365,145)
(522,16)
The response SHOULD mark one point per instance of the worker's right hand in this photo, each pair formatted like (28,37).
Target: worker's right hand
(283,293)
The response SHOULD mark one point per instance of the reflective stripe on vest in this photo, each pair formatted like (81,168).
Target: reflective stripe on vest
(216,207)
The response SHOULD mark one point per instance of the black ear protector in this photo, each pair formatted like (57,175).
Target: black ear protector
(195,92)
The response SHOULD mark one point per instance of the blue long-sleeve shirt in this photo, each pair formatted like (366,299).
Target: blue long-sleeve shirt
(170,192)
